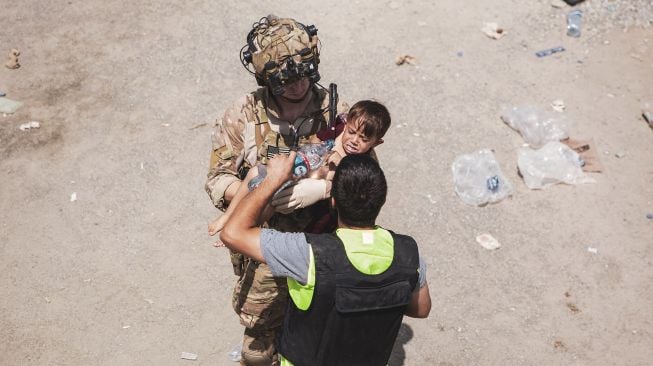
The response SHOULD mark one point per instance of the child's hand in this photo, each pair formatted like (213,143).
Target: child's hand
(218,224)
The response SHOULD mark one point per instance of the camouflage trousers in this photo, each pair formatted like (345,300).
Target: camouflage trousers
(260,301)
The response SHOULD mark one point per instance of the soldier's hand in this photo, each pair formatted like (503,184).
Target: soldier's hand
(304,193)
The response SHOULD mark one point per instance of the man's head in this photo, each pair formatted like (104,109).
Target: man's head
(367,123)
(283,52)
(359,189)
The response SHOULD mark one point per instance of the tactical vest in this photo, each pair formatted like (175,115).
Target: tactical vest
(269,143)
(353,318)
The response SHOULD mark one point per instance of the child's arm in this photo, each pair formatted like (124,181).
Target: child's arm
(218,224)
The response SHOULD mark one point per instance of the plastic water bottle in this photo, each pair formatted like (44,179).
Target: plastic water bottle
(309,158)
(234,353)
(573,23)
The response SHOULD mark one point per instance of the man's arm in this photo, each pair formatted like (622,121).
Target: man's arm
(420,303)
(241,232)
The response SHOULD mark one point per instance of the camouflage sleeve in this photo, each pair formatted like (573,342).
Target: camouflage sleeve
(227,153)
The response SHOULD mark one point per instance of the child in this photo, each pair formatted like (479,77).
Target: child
(365,125)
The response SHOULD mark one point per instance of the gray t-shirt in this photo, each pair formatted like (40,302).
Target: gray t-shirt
(287,255)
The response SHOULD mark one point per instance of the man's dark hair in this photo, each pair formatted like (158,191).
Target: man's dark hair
(359,188)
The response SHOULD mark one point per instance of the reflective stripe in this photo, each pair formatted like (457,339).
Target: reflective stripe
(302,295)
(284,362)
(369,251)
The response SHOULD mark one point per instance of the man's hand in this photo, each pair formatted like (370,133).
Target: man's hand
(241,232)
(279,168)
(304,193)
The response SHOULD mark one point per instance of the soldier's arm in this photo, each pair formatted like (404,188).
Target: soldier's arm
(226,156)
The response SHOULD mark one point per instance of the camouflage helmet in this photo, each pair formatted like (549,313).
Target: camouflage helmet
(282,51)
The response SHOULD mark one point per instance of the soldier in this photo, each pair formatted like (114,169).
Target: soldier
(288,110)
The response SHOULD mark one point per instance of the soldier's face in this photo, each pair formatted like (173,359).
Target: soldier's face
(297,90)
(354,140)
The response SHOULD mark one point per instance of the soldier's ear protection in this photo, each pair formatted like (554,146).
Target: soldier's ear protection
(276,73)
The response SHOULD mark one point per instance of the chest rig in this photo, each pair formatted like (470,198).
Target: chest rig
(270,143)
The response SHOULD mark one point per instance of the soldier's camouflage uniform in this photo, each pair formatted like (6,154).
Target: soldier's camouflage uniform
(248,133)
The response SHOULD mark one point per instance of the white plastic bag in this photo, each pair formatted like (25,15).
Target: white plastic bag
(554,163)
(536,126)
(478,179)
(9,106)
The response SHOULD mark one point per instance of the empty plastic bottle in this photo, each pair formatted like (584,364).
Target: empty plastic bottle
(235,352)
(309,157)
(573,23)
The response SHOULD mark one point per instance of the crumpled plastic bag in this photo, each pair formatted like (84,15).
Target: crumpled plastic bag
(9,106)
(536,126)
(553,163)
(478,179)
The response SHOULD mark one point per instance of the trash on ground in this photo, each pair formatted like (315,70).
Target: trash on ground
(493,30)
(574,309)
(558,105)
(554,163)
(549,51)
(12,61)
(558,4)
(188,356)
(647,113)
(589,157)
(478,179)
(488,242)
(198,126)
(235,352)
(592,250)
(536,126)
(620,154)
(73,197)
(649,215)
(405,59)
(573,23)
(2,94)
(9,106)
(29,125)
(573,2)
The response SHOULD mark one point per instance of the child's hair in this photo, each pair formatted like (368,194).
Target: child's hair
(372,116)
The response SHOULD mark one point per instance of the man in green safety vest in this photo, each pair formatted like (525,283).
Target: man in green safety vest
(349,289)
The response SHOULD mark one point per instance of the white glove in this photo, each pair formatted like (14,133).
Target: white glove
(302,194)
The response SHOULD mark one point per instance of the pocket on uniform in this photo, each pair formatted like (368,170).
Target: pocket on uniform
(350,299)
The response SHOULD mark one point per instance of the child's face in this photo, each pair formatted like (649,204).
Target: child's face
(354,141)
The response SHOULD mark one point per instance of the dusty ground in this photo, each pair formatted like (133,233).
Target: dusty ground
(126,275)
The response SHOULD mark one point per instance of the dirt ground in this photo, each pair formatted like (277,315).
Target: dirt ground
(126,93)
